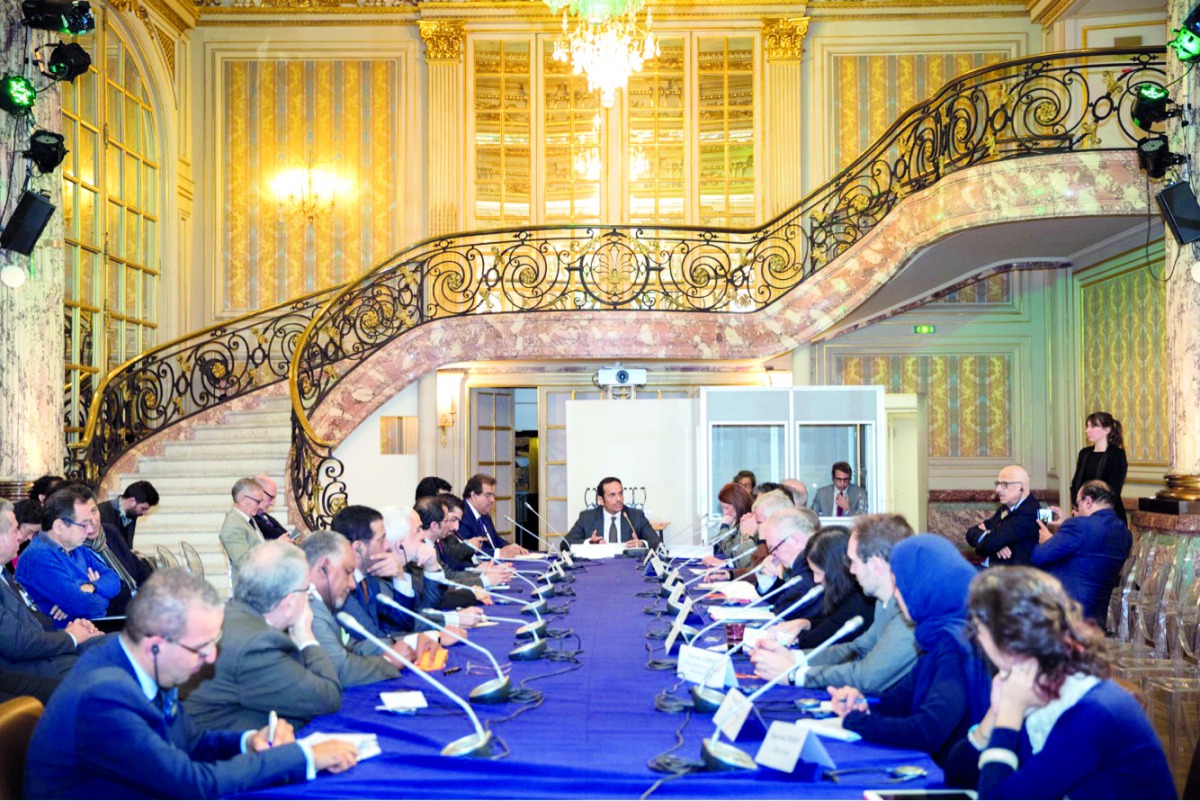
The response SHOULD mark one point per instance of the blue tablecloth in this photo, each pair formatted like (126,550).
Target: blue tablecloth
(592,735)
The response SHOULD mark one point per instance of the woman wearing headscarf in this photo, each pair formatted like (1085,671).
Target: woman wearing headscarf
(1057,726)
(947,690)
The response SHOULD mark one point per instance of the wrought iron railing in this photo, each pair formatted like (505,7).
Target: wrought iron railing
(1052,103)
(185,377)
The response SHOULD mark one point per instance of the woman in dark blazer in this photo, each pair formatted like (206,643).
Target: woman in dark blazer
(843,597)
(1104,459)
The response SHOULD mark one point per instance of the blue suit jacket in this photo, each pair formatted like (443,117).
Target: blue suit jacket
(101,738)
(1086,555)
(469,528)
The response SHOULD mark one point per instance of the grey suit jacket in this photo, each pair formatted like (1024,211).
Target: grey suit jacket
(238,537)
(258,669)
(25,646)
(872,662)
(593,520)
(352,668)
(823,504)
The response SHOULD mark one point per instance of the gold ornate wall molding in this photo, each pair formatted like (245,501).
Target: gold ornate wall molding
(444,40)
(783,39)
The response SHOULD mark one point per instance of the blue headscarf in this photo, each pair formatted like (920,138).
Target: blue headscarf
(933,578)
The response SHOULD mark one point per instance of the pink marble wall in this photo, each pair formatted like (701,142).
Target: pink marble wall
(1064,185)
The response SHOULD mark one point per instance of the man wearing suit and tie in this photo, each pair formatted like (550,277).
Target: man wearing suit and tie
(478,498)
(1009,536)
(34,654)
(611,521)
(239,532)
(331,581)
(841,498)
(116,729)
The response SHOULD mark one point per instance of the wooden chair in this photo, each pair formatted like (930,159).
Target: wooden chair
(18,718)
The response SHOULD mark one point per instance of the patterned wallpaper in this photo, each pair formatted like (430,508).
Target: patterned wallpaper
(995,289)
(872,91)
(340,116)
(1124,351)
(969,396)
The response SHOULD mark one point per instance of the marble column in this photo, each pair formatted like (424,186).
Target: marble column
(1183,312)
(31,316)
(444,45)
(783,44)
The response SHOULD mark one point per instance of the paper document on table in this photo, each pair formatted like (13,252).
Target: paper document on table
(691,551)
(733,590)
(532,556)
(739,613)
(367,744)
(599,550)
(829,727)
(403,701)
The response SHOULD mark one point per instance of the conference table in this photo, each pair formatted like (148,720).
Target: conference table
(596,726)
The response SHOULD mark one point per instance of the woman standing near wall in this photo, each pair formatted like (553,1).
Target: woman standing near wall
(1103,459)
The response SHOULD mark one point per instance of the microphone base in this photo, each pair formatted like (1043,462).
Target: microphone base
(528,652)
(531,631)
(636,553)
(495,691)
(706,699)
(534,608)
(473,745)
(718,756)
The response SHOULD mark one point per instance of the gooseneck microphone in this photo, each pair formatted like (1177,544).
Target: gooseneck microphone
(530,650)
(477,744)
(549,528)
(493,691)
(722,756)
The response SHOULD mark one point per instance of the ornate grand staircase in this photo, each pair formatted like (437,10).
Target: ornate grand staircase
(1037,138)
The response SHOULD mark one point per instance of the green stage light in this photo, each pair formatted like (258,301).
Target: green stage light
(1150,106)
(1186,45)
(17,94)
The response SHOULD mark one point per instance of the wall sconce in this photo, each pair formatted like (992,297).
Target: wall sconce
(446,421)
(310,190)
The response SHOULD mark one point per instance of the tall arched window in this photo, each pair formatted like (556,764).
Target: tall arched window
(111,195)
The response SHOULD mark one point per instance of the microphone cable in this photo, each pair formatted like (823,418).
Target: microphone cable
(667,762)
(652,663)
(667,701)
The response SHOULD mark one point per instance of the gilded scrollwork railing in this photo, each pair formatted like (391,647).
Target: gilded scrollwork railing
(1053,103)
(186,376)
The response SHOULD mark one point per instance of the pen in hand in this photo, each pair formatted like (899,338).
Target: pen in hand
(272,724)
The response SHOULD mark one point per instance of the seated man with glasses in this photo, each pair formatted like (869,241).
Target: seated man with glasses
(786,534)
(57,571)
(1009,536)
(239,531)
(269,659)
(115,730)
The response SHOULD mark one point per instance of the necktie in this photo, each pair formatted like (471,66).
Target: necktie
(840,511)
(24,596)
(362,592)
(613,536)
(168,702)
(1003,513)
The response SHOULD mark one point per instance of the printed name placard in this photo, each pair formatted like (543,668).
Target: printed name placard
(677,626)
(704,667)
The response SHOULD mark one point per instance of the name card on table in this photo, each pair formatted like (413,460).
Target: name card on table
(675,593)
(672,577)
(598,550)
(566,555)
(786,744)
(701,666)
(732,713)
(677,625)
(691,551)
(657,565)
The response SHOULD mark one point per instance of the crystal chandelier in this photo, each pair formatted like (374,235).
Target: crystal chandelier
(310,191)
(607,45)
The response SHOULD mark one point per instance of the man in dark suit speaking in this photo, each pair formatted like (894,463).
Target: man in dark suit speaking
(612,521)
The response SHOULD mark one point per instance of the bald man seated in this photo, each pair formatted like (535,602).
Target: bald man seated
(270,528)
(1009,536)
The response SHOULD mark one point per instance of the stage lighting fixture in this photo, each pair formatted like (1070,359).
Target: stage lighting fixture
(67,16)
(1150,106)
(1192,21)
(68,60)
(17,94)
(1155,156)
(46,150)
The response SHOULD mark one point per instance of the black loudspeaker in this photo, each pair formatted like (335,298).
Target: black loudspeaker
(26,224)
(1181,212)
